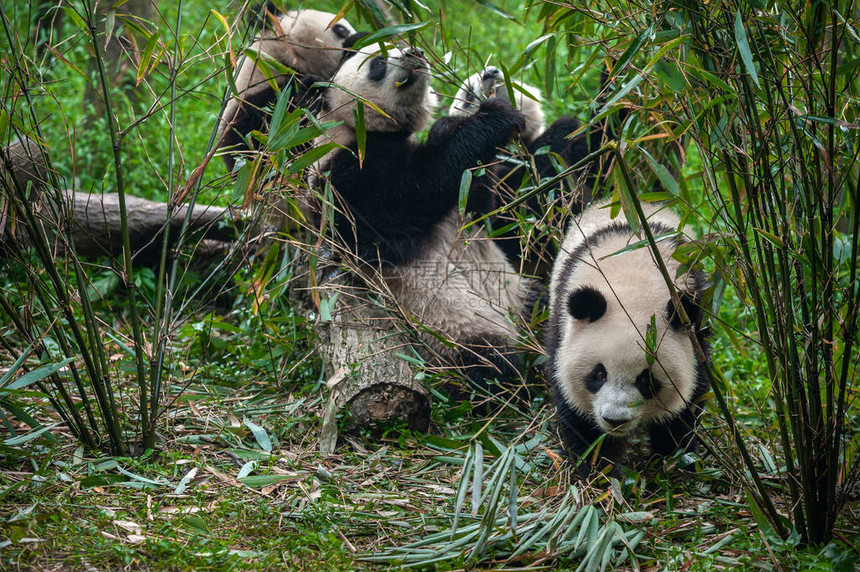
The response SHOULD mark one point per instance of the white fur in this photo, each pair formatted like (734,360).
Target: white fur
(462,286)
(634,291)
(491,83)
(309,44)
(403,96)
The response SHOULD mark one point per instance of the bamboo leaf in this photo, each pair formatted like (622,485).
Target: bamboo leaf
(389,32)
(666,178)
(492,7)
(260,435)
(465,185)
(744,47)
(632,50)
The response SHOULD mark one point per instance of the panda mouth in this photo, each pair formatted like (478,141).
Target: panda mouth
(406,81)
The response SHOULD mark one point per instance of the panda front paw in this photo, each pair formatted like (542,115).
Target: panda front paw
(502,111)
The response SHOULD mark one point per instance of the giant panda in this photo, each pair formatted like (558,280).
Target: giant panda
(307,42)
(489,83)
(602,301)
(502,183)
(398,207)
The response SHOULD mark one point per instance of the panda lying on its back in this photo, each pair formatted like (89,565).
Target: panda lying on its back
(601,306)
(307,43)
(400,204)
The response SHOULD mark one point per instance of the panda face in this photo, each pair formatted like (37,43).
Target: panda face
(490,82)
(313,40)
(602,367)
(397,82)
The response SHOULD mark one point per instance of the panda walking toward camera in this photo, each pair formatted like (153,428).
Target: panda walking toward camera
(605,378)
(398,205)
(305,41)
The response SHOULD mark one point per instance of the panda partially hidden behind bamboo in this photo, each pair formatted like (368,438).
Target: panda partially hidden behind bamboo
(606,379)
(396,208)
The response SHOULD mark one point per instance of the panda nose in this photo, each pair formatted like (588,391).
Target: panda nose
(615,422)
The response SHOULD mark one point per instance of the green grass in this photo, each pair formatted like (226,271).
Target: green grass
(249,392)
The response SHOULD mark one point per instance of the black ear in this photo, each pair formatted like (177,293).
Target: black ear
(691,307)
(257,13)
(350,42)
(586,303)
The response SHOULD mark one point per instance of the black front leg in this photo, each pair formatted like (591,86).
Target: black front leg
(674,435)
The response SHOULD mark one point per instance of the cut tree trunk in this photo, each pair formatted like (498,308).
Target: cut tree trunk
(361,343)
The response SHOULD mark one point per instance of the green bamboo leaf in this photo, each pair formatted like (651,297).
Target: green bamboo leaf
(462,487)
(465,185)
(389,32)
(146,56)
(183,484)
(492,7)
(92,481)
(140,479)
(311,157)
(260,435)
(770,237)
(632,50)
(360,133)
(265,480)
(38,374)
(625,200)
(21,439)
(246,469)
(651,340)
(477,478)
(744,47)
(663,174)
(13,369)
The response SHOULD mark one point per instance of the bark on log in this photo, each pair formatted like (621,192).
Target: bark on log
(359,345)
(95,223)
(92,221)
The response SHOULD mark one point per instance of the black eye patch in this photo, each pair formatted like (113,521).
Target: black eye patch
(596,378)
(586,303)
(340,31)
(647,385)
(378,67)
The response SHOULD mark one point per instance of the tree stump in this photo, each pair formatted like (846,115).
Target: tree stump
(361,343)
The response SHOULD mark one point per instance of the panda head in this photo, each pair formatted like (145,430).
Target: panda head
(602,365)
(313,42)
(490,82)
(396,81)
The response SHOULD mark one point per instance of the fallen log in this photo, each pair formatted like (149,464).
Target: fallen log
(91,221)
(359,341)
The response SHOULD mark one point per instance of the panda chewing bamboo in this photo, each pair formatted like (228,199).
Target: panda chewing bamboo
(398,207)
(602,301)
(309,42)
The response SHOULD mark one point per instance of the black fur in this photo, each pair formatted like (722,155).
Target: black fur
(403,188)
(504,179)
(579,431)
(586,303)
(255,109)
